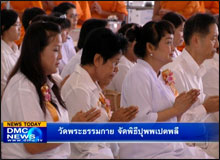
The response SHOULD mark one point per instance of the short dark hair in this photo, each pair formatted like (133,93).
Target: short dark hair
(175,18)
(29,14)
(87,27)
(63,7)
(198,23)
(130,31)
(37,36)
(8,18)
(151,32)
(63,22)
(104,42)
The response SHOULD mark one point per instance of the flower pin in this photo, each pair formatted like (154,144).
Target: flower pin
(170,81)
(46,93)
(105,103)
(47,97)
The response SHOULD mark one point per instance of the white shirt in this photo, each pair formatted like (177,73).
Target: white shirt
(123,67)
(68,51)
(211,78)
(9,58)
(81,93)
(71,65)
(176,53)
(188,75)
(20,102)
(144,89)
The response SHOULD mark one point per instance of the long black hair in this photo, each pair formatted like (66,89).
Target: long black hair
(37,37)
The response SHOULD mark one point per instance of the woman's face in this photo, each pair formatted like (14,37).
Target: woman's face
(13,33)
(106,71)
(165,50)
(51,55)
(178,35)
(73,17)
(64,34)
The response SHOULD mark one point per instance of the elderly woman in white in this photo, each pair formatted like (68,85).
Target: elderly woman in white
(144,86)
(11,29)
(101,53)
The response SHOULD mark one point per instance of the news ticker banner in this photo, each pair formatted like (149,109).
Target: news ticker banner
(41,132)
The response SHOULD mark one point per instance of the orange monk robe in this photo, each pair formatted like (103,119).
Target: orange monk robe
(86,12)
(76,3)
(3,5)
(19,7)
(185,8)
(110,6)
(212,6)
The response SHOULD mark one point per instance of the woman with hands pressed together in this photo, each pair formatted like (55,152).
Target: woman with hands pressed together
(153,91)
(32,95)
(100,56)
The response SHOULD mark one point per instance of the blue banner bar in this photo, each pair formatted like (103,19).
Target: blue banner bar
(128,132)
(123,132)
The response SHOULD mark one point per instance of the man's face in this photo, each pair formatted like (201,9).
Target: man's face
(208,44)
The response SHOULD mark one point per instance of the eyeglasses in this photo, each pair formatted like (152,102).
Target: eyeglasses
(73,16)
(115,64)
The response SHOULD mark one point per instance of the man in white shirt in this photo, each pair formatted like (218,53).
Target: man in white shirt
(101,53)
(201,38)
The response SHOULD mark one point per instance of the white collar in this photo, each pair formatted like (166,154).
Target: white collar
(216,57)
(125,60)
(192,65)
(14,46)
(90,83)
(147,65)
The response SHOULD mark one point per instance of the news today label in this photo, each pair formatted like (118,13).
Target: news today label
(25,132)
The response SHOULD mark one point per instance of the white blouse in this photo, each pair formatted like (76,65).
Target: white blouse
(144,89)
(71,65)
(20,102)
(123,67)
(211,78)
(68,51)
(9,58)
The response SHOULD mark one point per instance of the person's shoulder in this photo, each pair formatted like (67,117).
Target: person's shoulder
(22,81)
(78,79)
(19,84)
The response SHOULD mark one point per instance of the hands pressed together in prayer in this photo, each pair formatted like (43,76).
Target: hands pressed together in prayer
(88,116)
(185,100)
(121,115)
(124,114)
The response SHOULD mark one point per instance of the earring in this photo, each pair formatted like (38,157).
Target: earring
(151,55)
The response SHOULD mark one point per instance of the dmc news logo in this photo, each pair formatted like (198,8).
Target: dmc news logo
(24,132)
